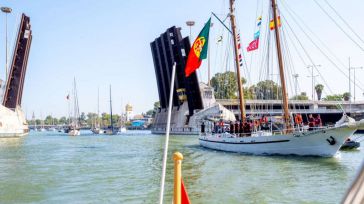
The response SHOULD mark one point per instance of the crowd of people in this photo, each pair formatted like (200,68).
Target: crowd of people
(241,128)
(313,122)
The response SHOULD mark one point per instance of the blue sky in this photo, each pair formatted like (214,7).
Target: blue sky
(107,42)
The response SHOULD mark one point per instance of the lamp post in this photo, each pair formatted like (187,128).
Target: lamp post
(6,10)
(190,24)
(354,68)
(296,84)
(313,78)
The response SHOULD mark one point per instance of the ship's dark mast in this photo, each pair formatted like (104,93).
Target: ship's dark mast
(14,86)
(111,123)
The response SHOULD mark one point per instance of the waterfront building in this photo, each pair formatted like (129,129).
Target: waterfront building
(129,112)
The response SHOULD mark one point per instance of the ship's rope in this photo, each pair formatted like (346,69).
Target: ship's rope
(168,128)
(345,22)
(338,25)
(311,60)
(299,21)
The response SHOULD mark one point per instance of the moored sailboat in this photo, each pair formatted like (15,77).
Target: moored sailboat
(110,130)
(96,121)
(288,140)
(74,126)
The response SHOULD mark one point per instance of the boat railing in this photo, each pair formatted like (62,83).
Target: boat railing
(299,129)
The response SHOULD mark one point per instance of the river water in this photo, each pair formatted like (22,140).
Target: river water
(54,168)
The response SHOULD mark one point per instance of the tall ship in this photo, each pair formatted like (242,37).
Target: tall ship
(255,135)
(194,101)
(12,118)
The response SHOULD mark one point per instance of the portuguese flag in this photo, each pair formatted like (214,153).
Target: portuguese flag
(198,51)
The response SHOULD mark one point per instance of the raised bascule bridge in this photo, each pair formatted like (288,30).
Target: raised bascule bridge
(12,120)
(194,102)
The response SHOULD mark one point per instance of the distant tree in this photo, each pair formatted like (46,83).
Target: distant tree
(105,118)
(63,120)
(303,96)
(319,88)
(157,105)
(267,89)
(48,120)
(335,97)
(38,121)
(346,96)
(83,117)
(151,113)
(92,118)
(55,121)
(225,85)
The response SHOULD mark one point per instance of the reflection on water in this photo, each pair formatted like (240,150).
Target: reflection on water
(53,168)
(11,142)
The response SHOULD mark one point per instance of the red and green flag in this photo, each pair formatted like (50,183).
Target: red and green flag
(198,50)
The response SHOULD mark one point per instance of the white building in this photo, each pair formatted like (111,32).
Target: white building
(129,112)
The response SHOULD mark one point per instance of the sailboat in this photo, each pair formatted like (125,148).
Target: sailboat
(74,126)
(41,128)
(325,141)
(96,123)
(110,130)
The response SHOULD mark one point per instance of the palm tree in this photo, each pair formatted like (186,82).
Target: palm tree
(319,88)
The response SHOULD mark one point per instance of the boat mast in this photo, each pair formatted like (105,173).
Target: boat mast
(288,125)
(236,52)
(97,125)
(75,108)
(112,127)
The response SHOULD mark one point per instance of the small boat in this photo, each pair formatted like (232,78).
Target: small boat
(350,144)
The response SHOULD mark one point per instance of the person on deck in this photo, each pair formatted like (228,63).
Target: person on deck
(241,129)
(247,129)
(237,127)
(232,127)
(298,120)
(221,126)
(318,122)
(264,123)
(203,127)
(311,122)
(216,127)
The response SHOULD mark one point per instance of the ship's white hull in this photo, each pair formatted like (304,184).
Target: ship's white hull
(12,123)
(325,142)
(74,133)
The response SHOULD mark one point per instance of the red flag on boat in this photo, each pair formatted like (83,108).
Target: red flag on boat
(253,45)
(184,195)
